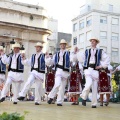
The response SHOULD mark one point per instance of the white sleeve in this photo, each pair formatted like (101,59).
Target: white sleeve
(105,60)
(73,57)
(118,67)
(5,60)
(49,61)
(110,67)
(26,62)
(81,57)
(80,66)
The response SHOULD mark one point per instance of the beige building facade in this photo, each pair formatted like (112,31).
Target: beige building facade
(26,24)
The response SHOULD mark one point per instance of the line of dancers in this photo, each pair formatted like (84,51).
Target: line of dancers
(63,68)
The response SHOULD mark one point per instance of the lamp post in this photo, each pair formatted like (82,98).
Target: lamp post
(12,42)
(22,49)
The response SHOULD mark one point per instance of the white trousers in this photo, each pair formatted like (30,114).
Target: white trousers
(15,89)
(59,87)
(1,82)
(38,88)
(90,82)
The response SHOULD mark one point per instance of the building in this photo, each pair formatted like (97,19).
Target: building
(26,24)
(101,19)
(66,36)
(52,39)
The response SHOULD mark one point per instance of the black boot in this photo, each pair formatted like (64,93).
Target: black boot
(50,101)
(93,106)
(14,102)
(106,104)
(59,104)
(2,99)
(21,98)
(84,102)
(36,103)
(101,103)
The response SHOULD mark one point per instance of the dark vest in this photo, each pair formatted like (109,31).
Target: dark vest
(98,55)
(19,67)
(66,60)
(41,63)
(2,67)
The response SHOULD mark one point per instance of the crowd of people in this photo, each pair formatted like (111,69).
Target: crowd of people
(63,68)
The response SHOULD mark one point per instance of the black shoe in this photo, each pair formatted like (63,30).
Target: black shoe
(101,104)
(36,103)
(20,98)
(75,103)
(59,104)
(106,104)
(2,99)
(94,106)
(84,102)
(50,101)
(14,102)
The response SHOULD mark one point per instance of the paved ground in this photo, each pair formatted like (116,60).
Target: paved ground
(66,112)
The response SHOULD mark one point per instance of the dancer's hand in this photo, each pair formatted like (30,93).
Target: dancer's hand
(76,49)
(98,67)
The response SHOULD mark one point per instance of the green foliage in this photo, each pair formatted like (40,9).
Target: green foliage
(114,85)
(13,116)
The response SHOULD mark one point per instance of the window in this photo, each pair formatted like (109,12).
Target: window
(89,21)
(81,38)
(104,48)
(75,27)
(110,8)
(114,36)
(103,20)
(81,24)
(114,53)
(88,47)
(88,35)
(74,41)
(115,21)
(103,35)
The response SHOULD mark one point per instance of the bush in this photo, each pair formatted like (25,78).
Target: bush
(12,116)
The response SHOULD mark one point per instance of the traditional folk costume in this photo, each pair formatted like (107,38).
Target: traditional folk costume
(15,75)
(104,84)
(93,58)
(75,78)
(37,63)
(3,62)
(75,87)
(61,61)
(49,79)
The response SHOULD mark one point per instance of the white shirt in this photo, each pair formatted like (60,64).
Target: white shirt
(61,57)
(92,57)
(36,59)
(14,60)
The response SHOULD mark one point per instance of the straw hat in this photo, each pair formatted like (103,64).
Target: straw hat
(16,45)
(38,44)
(94,39)
(1,48)
(63,41)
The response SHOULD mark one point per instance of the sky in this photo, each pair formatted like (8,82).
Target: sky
(62,10)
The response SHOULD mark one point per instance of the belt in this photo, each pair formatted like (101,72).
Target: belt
(13,70)
(92,65)
(35,69)
(59,66)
